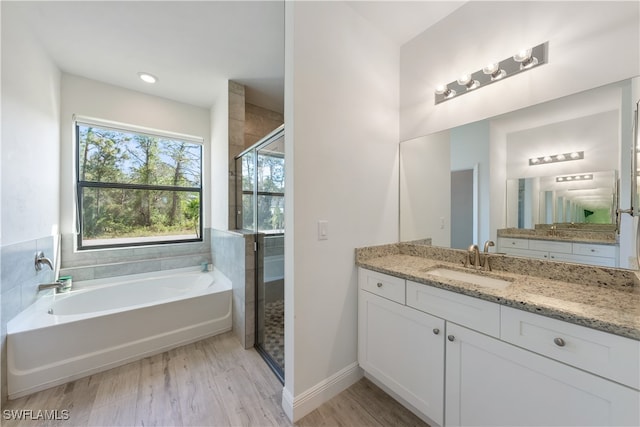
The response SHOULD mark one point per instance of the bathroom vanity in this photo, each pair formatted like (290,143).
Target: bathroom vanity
(508,350)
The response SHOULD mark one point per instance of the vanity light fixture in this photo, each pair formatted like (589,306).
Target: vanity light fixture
(570,178)
(555,158)
(522,61)
(147,78)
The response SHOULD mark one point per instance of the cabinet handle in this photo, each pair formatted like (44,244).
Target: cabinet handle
(379,284)
(436,331)
(593,250)
(451,338)
(559,342)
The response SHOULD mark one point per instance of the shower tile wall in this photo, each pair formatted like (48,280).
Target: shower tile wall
(233,255)
(19,285)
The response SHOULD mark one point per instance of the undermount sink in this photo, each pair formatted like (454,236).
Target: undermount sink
(476,279)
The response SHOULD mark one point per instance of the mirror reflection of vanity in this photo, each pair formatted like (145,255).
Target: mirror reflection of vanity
(542,182)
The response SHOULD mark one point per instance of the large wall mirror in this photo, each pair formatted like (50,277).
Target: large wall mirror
(544,182)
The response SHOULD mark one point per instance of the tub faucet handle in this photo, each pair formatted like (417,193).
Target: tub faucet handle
(40,260)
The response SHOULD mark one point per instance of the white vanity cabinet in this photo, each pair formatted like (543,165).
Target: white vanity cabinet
(461,360)
(490,382)
(583,253)
(400,347)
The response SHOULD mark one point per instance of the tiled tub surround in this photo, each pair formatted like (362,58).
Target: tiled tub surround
(102,263)
(233,255)
(605,299)
(19,285)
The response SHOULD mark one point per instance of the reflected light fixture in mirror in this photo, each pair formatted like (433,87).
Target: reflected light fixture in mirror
(571,178)
(555,158)
(522,61)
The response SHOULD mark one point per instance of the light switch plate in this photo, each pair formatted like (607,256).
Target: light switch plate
(323,229)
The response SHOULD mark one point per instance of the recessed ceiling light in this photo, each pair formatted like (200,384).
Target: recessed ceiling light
(147,78)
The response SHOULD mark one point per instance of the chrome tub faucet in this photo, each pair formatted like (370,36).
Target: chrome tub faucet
(55,285)
(42,260)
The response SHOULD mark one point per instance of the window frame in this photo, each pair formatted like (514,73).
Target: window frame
(81,185)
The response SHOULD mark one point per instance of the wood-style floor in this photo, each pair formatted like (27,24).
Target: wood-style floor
(214,382)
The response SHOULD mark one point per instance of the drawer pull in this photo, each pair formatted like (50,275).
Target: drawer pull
(451,338)
(379,284)
(559,342)
(436,331)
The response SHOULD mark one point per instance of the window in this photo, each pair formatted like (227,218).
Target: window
(263,181)
(136,187)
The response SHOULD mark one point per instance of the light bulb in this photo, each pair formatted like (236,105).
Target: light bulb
(547,159)
(494,71)
(574,155)
(464,79)
(444,90)
(560,157)
(534,160)
(522,55)
(491,68)
(440,89)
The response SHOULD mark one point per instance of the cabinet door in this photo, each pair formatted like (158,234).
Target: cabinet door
(404,349)
(490,382)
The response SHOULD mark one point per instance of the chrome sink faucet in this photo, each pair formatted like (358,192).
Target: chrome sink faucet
(473,249)
(486,266)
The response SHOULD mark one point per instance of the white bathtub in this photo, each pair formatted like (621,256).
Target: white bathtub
(110,322)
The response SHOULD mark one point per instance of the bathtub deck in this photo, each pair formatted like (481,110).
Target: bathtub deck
(211,382)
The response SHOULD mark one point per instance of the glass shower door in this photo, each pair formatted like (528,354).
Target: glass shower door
(269,211)
(260,208)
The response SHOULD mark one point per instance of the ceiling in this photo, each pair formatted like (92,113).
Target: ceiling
(192,47)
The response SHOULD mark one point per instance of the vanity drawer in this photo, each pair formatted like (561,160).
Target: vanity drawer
(526,253)
(386,286)
(594,250)
(474,313)
(583,259)
(551,246)
(611,356)
(507,242)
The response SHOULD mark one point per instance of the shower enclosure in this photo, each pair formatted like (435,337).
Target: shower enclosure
(260,209)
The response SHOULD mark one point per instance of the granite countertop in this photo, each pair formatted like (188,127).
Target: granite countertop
(613,309)
(561,235)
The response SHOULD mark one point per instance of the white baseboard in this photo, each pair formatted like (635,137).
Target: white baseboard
(300,405)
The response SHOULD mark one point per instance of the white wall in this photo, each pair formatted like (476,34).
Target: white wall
(29,166)
(220,160)
(590,44)
(30,135)
(91,98)
(341,115)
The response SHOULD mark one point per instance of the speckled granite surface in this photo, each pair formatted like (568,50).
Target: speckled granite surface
(561,235)
(600,298)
